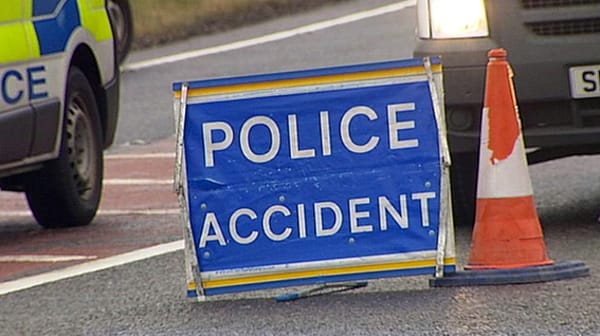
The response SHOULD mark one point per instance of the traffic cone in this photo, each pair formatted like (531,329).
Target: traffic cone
(508,243)
(507,232)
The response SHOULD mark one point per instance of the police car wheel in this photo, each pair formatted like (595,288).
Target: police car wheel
(66,191)
(122,22)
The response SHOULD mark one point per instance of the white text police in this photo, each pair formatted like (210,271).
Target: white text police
(219,136)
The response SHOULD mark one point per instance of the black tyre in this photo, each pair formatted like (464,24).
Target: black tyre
(464,187)
(122,23)
(66,191)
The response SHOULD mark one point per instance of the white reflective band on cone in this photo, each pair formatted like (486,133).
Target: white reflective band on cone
(491,181)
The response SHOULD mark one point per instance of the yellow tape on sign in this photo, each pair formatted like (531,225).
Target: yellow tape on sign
(247,280)
(290,83)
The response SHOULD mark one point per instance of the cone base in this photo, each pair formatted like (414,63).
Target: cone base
(508,266)
(507,234)
(559,271)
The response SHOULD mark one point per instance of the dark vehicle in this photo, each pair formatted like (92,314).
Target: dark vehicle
(554,49)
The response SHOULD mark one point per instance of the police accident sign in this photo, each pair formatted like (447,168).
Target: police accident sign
(313,176)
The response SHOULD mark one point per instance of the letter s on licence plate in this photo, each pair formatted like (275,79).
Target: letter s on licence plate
(585,81)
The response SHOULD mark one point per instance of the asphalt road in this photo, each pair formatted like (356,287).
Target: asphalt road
(148,297)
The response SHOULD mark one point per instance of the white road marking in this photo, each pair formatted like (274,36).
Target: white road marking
(89,267)
(108,212)
(141,156)
(138,212)
(33,258)
(137,181)
(134,156)
(271,37)
(121,182)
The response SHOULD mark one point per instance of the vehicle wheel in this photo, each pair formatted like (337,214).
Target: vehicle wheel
(122,22)
(66,191)
(463,174)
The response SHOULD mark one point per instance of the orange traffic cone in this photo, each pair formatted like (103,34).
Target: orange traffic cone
(507,244)
(507,232)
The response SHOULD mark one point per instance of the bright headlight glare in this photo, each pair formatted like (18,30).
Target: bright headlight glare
(458,18)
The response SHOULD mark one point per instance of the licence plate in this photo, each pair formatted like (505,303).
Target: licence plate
(585,81)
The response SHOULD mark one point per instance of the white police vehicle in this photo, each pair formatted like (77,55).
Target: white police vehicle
(59,95)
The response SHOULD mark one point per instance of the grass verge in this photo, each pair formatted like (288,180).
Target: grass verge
(158,21)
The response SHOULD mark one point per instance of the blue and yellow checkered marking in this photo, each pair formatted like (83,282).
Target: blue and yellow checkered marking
(53,33)
(44,7)
(44,27)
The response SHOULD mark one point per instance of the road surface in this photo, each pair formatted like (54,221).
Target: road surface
(123,274)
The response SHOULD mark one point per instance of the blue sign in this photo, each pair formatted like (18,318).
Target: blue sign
(310,177)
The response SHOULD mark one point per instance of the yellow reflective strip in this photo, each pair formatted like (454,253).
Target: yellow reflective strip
(28,9)
(289,83)
(12,10)
(95,19)
(324,272)
(32,38)
(97,3)
(14,43)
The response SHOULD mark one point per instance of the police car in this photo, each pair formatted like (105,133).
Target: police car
(59,95)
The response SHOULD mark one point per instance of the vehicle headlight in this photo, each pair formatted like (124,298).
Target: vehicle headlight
(440,19)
